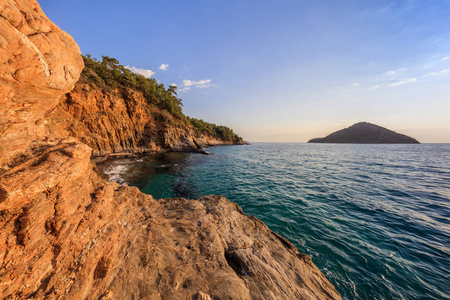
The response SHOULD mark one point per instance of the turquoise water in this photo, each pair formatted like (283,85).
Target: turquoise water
(374,218)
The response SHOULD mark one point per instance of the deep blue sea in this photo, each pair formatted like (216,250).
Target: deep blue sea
(374,218)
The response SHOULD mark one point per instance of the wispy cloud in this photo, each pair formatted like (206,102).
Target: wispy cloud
(143,72)
(185,89)
(200,84)
(403,81)
(163,67)
(441,73)
(174,84)
(394,72)
(413,73)
(355,84)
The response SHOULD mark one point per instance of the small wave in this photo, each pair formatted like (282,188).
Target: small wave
(115,173)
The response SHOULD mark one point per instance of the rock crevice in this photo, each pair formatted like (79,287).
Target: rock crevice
(32,46)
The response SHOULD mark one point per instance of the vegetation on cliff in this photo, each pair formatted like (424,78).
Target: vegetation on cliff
(110,75)
(217,131)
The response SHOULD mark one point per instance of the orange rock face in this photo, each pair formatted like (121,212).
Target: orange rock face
(38,64)
(121,121)
(67,233)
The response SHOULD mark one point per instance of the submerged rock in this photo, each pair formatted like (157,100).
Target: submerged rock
(366,133)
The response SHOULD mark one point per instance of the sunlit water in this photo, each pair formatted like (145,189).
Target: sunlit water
(374,218)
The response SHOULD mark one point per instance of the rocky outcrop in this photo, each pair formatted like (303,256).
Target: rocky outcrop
(209,141)
(71,234)
(366,133)
(211,246)
(39,63)
(115,122)
(67,233)
(122,121)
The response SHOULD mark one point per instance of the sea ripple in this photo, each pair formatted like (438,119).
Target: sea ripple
(374,218)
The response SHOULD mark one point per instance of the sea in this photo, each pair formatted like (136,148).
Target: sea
(374,218)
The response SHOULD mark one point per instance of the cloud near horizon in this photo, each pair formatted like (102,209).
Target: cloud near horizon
(143,72)
(163,67)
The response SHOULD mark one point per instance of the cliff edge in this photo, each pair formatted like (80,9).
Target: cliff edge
(365,133)
(66,233)
(114,110)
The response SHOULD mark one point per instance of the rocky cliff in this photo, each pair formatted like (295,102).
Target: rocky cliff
(39,63)
(122,121)
(366,133)
(118,122)
(117,114)
(66,233)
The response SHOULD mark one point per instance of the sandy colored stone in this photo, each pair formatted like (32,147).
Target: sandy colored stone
(61,228)
(203,296)
(38,64)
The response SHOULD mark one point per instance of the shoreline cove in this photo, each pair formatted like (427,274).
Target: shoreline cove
(341,204)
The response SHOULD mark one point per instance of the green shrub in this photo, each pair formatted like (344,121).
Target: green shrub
(218,131)
(110,75)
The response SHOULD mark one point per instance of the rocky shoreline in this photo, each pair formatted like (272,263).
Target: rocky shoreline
(73,234)
(68,233)
(123,122)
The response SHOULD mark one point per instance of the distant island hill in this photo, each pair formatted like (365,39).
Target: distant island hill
(366,133)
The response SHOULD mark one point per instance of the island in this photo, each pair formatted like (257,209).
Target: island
(365,133)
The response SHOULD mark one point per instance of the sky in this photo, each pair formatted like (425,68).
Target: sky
(282,70)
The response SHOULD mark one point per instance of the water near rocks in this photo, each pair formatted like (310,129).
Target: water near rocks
(374,218)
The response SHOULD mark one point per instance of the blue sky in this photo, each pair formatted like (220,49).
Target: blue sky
(282,71)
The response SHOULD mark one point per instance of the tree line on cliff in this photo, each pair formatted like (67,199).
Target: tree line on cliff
(110,75)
